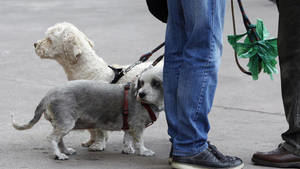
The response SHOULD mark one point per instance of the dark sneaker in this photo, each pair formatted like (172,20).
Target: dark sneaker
(210,158)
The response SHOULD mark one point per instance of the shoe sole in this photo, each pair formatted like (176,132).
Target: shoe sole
(190,166)
(170,160)
(278,165)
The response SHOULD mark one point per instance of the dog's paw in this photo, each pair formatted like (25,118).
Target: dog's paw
(128,150)
(70,151)
(146,152)
(97,147)
(61,156)
(88,143)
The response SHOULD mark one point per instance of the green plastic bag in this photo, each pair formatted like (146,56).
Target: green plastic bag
(261,53)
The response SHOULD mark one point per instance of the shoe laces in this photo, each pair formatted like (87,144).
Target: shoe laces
(213,149)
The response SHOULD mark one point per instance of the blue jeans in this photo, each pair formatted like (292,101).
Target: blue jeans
(192,57)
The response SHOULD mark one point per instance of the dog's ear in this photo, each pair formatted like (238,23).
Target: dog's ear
(71,47)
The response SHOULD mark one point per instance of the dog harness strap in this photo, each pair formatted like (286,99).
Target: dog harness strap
(118,74)
(125,108)
(151,114)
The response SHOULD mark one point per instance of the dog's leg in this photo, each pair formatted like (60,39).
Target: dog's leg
(64,149)
(100,140)
(93,134)
(128,143)
(139,143)
(55,137)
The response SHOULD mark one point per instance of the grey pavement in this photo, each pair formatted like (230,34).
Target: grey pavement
(247,115)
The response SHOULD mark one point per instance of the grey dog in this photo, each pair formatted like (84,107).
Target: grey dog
(86,104)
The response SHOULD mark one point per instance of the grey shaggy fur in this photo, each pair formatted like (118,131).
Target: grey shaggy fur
(86,104)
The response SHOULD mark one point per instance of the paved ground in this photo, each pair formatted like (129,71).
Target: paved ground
(247,115)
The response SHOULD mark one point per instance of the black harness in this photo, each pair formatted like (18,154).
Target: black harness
(118,74)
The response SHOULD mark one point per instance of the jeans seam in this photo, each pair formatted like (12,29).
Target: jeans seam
(177,76)
(200,99)
(166,71)
(201,96)
(213,6)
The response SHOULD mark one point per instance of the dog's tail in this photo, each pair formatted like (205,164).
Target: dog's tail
(41,108)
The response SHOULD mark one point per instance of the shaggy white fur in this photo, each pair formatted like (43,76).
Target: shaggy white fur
(73,50)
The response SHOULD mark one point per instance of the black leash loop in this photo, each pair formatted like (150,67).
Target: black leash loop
(234,32)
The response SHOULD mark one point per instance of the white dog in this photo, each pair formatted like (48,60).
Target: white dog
(74,52)
(85,104)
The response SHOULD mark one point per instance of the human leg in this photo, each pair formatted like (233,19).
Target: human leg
(197,78)
(289,60)
(195,84)
(288,153)
(175,39)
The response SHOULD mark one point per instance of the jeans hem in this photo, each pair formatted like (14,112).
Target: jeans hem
(291,149)
(190,153)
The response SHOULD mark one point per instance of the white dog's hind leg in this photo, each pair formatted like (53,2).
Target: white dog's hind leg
(92,138)
(100,140)
(64,149)
(139,144)
(128,143)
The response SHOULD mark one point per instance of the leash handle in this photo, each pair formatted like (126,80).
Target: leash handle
(146,56)
(234,32)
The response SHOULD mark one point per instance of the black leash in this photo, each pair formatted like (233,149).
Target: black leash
(119,73)
(156,61)
(249,27)
(234,32)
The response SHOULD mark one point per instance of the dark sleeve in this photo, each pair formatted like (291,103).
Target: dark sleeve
(159,9)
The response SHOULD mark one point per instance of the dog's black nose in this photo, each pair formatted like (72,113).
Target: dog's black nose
(35,44)
(142,95)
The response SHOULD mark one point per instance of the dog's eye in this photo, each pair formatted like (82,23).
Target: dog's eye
(155,83)
(140,83)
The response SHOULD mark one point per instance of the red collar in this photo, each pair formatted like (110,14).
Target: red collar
(126,112)
(151,114)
